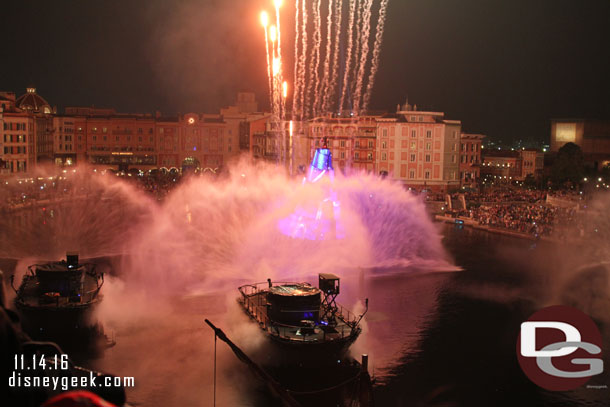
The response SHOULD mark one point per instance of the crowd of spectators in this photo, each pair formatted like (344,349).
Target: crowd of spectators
(532,219)
(520,210)
(28,192)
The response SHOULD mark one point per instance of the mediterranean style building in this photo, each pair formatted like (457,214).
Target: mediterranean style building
(421,149)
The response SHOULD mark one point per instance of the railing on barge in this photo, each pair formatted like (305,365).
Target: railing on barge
(252,296)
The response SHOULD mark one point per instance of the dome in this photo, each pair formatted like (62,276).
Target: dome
(33,102)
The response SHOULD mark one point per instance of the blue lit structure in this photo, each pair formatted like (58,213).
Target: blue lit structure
(321,164)
(319,222)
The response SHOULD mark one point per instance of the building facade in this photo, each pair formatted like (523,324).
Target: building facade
(419,148)
(470,158)
(592,136)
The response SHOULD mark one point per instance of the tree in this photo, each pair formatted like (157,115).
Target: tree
(530,181)
(568,165)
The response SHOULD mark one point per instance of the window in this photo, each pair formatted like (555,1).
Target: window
(384,156)
(369,156)
(413,145)
(428,133)
(105,138)
(413,133)
(428,157)
(384,132)
(421,118)
(371,143)
(357,144)
(412,158)
(453,158)
(412,174)
(384,144)
(342,143)
(94,138)
(139,130)
(342,154)
(428,146)
(104,130)
(427,174)
(356,155)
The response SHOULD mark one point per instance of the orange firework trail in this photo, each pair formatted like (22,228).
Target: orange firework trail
(348,58)
(296,82)
(264,23)
(364,51)
(280,76)
(303,61)
(376,51)
(337,41)
(322,79)
(322,103)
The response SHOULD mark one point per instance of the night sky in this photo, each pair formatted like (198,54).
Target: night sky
(503,67)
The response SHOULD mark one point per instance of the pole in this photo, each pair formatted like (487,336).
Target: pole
(215,337)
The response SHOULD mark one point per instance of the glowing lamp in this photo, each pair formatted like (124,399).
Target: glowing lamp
(272,33)
(277,3)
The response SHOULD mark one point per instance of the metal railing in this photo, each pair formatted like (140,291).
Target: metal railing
(252,296)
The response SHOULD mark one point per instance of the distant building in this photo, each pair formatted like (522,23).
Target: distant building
(532,163)
(512,165)
(419,148)
(470,158)
(592,136)
(26,128)
(17,141)
(501,166)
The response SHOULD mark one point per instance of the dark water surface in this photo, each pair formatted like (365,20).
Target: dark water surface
(434,338)
(465,350)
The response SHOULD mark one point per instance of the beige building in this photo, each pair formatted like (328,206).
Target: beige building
(592,136)
(419,148)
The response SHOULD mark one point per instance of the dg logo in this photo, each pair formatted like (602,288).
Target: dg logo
(559,348)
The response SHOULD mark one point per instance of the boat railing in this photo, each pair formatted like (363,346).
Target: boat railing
(253,303)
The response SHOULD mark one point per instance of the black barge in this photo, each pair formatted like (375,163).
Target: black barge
(306,322)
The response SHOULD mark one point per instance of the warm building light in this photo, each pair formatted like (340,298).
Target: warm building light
(272,33)
(264,18)
(277,3)
(284,89)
